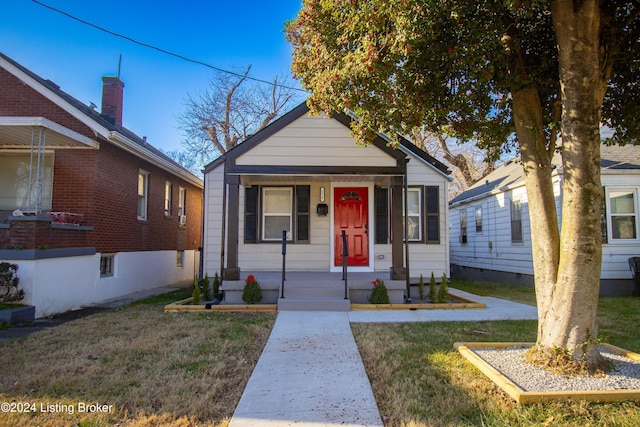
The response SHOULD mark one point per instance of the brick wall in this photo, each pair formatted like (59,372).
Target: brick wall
(18,99)
(102,185)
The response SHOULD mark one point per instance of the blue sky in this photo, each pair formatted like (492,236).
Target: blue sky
(225,34)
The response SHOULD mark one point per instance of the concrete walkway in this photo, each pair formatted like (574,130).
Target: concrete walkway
(310,372)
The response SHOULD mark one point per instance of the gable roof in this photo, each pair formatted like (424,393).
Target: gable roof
(613,159)
(381,141)
(101,126)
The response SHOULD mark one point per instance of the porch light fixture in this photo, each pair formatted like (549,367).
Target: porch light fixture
(322,194)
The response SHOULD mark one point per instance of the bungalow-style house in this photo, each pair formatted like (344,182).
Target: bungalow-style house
(88,210)
(490,233)
(302,179)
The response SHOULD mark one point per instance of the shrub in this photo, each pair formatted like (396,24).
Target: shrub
(216,285)
(252,294)
(196,295)
(9,281)
(443,293)
(421,287)
(206,288)
(379,295)
(432,288)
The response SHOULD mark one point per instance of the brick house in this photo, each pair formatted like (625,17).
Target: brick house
(88,210)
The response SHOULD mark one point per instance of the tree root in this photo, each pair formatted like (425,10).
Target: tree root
(561,361)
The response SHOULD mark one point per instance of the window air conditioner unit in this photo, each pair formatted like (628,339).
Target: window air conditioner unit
(182,219)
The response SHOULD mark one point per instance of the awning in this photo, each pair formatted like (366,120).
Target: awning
(16,133)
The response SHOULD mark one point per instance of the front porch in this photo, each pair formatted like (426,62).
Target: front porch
(314,290)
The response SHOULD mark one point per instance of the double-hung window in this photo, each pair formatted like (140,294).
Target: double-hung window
(182,206)
(463,225)
(270,210)
(623,213)
(143,194)
(479,219)
(516,221)
(277,214)
(414,214)
(168,190)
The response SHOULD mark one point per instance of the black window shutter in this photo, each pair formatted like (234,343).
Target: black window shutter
(303,208)
(251,214)
(382,215)
(432,204)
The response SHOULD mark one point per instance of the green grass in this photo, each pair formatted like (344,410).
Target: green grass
(156,368)
(420,380)
(523,294)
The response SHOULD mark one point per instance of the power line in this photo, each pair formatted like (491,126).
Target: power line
(184,58)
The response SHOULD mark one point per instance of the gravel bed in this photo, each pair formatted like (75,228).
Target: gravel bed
(624,375)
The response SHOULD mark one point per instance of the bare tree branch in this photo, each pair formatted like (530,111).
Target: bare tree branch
(227,112)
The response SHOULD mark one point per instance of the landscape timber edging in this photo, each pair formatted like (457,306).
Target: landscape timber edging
(526,397)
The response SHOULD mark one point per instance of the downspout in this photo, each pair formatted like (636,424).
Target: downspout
(224,220)
(406,231)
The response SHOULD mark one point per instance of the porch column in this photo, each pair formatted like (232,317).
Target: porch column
(398,271)
(232,271)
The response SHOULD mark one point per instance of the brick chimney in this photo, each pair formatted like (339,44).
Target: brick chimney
(112,95)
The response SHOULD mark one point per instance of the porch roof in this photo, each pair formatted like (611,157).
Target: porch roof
(18,133)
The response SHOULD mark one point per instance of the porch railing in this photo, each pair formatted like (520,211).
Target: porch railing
(345,255)
(284,256)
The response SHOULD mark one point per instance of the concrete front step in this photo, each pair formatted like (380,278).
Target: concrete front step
(313,291)
(298,303)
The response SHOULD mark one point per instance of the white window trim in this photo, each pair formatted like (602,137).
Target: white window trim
(475,219)
(420,213)
(145,196)
(264,214)
(182,210)
(610,238)
(511,203)
(168,198)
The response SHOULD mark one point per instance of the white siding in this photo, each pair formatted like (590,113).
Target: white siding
(427,258)
(314,141)
(492,248)
(313,256)
(616,254)
(212,246)
(517,258)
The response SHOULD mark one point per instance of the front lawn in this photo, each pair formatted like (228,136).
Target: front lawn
(149,368)
(420,380)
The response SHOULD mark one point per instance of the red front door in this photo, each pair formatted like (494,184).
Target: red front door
(351,215)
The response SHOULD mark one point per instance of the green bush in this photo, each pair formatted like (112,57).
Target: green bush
(421,287)
(206,288)
(379,295)
(9,281)
(196,295)
(432,288)
(252,294)
(443,293)
(216,285)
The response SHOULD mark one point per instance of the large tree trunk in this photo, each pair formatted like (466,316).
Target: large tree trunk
(568,309)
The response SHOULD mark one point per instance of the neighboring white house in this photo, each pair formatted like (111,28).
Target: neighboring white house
(490,234)
(305,174)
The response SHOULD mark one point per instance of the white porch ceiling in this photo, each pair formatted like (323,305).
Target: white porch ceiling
(16,133)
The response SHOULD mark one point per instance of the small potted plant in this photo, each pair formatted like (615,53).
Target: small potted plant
(379,295)
(252,294)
